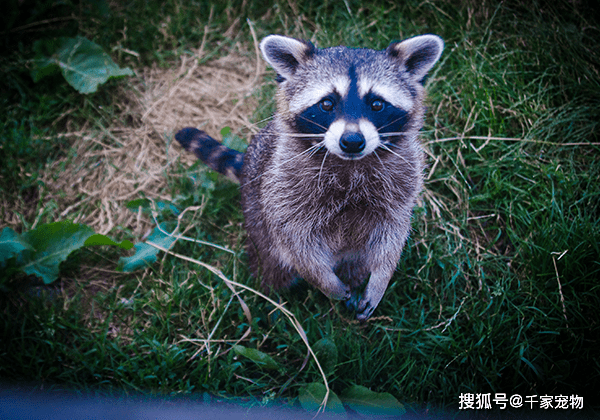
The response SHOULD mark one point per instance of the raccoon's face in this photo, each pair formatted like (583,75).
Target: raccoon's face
(352,100)
(351,114)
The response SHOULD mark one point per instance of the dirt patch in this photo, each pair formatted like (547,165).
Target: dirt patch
(131,158)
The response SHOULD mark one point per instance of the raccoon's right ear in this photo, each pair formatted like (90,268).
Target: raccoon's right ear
(286,54)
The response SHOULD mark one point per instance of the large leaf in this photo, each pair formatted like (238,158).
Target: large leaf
(53,242)
(232,141)
(11,244)
(145,254)
(97,239)
(41,250)
(326,353)
(83,63)
(257,356)
(146,205)
(372,404)
(312,395)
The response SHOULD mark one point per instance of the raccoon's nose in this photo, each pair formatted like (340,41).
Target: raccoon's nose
(352,142)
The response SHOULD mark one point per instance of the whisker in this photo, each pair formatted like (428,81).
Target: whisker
(402,133)
(316,148)
(393,134)
(391,122)
(383,146)
(378,158)
(321,168)
(303,135)
(265,120)
(393,145)
(317,124)
(311,150)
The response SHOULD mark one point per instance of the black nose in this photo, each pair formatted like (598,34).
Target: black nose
(352,142)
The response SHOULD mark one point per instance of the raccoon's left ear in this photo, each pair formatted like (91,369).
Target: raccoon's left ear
(285,54)
(418,54)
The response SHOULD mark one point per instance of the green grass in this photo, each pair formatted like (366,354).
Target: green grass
(496,292)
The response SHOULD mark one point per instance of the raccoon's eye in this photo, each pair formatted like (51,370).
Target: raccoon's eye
(377,105)
(326,105)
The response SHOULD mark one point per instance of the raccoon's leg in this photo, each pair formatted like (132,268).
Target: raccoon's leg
(332,286)
(311,259)
(323,278)
(385,248)
(373,293)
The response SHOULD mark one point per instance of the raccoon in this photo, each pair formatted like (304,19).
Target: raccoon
(329,185)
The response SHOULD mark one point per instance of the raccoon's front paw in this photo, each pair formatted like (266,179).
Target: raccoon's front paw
(353,301)
(364,310)
(363,307)
(331,286)
(340,292)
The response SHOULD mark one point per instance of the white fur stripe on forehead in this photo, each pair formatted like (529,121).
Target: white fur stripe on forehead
(313,93)
(393,94)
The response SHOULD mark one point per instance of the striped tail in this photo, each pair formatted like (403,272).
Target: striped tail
(218,157)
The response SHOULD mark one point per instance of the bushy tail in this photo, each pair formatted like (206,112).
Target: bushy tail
(218,157)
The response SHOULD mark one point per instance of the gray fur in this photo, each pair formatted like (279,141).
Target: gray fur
(337,220)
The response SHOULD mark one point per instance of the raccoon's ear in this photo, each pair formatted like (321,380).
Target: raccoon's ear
(286,54)
(418,54)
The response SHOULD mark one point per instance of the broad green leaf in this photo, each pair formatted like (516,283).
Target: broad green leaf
(44,63)
(232,141)
(257,356)
(326,353)
(134,205)
(146,205)
(97,239)
(225,131)
(11,244)
(40,251)
(311,396)
(164,205)
(372,404)
(145,254)
(83,63)
(52,243)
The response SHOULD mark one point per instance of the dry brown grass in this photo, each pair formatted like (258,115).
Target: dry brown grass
(108,167)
